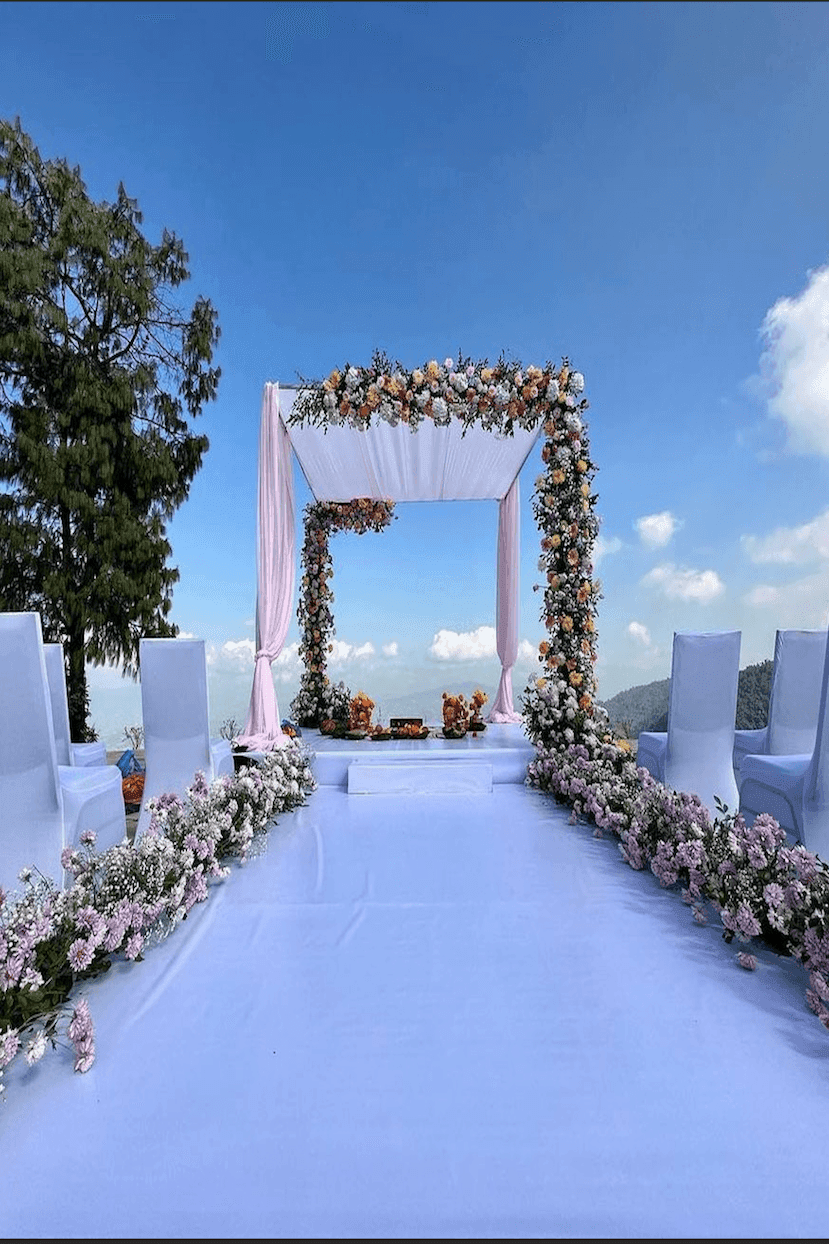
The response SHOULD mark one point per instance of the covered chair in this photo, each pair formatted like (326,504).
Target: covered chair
(46,806)
(695,754)
(794,700)
(79,755)
(177,742)
(794,788)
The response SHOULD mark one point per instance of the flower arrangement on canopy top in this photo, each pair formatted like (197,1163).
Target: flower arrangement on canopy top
(498,395)
(317,699)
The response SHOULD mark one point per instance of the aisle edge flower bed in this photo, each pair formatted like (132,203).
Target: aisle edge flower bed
(759,885)
(127,898)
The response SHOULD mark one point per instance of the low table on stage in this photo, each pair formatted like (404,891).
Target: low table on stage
(469,765)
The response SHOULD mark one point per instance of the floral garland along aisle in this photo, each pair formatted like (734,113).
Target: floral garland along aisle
(127,898)
(499,397)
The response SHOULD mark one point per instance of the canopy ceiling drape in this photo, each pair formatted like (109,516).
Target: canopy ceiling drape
(383,462)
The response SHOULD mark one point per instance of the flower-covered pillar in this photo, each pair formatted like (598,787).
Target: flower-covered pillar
(559,705)
(315,699)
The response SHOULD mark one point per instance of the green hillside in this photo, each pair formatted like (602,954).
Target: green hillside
(646,707)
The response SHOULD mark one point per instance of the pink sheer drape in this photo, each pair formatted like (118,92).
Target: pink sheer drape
(275,573)
(506,624)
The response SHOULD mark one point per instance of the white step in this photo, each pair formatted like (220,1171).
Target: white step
(413,777)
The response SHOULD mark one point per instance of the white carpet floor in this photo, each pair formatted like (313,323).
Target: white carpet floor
(431,1017)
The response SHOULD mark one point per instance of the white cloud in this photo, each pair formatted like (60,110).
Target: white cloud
(604,548)
(287,665)
(795,364)
(390,649)
(232,656)
(464,645)
(702,586)
(344,653)
(640,633)
(527,651)
(763,595)
(799,604)
(655,530)
(791,545)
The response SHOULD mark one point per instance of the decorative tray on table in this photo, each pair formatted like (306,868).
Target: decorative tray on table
(408,728)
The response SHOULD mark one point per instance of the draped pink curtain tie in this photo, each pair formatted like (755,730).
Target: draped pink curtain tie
(275,573)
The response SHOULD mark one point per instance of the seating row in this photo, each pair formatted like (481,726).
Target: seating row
(782,769)
(51,789)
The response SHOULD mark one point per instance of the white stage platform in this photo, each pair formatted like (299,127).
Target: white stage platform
(471,765)
(431,1018)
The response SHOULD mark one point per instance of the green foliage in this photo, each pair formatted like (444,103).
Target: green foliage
(99,372)
(753,693)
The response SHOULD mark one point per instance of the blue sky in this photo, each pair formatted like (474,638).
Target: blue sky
(642,187)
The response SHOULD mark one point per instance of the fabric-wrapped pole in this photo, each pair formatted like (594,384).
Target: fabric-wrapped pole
(506,624)
(275,572)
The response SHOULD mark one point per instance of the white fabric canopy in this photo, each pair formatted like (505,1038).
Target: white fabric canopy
(385,463)
(395,464)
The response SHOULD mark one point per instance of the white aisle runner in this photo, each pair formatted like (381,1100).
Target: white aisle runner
(439,1017)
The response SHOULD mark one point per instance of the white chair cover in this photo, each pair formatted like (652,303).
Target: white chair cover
(794,788)
(793,703)
(68,753)
(176,714)
(695,754)
(45,806)
(30,796)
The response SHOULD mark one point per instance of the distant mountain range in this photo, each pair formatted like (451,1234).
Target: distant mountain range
(646,707)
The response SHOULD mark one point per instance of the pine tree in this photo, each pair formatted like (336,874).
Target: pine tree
(99,372)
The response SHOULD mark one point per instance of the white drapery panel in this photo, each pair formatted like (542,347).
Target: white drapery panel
(506,608)
(395,464)
(275,554)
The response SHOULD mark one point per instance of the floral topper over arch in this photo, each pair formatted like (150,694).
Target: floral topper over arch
(559,705)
